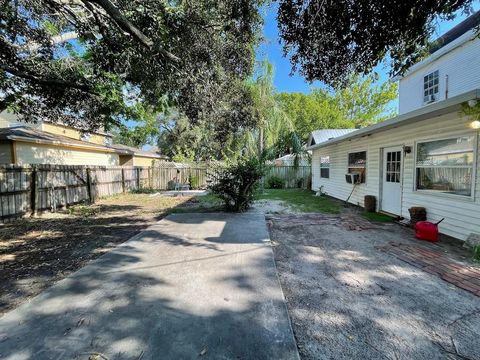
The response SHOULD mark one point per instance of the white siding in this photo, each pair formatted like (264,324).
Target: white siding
(462,215)
(462,65)
(46,154)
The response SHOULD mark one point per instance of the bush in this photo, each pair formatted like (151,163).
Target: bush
(476,253)
(193,181)
(275,182)
(236,183)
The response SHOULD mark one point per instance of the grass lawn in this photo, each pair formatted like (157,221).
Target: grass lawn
(204,203)
(379,217)
(302,200)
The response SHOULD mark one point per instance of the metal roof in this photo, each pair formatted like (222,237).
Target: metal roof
(424,113)
(320,136)
(139,152)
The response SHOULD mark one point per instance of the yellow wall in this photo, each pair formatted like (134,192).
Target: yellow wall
(142,161)
(5,152)
(28,153)
(72,133)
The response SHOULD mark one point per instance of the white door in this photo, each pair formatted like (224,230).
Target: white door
(392,180)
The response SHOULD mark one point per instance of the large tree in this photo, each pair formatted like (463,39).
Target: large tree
(91,62)
(362,102)
(330,40)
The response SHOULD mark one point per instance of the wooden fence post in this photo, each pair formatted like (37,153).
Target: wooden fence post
(123,180)
(150,177)
(33,190)
(89,187)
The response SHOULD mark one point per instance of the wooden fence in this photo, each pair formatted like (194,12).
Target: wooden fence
(292,178)
(30,189)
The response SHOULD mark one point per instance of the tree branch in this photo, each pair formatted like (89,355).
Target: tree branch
(128,27)
(54,40)
(47,81)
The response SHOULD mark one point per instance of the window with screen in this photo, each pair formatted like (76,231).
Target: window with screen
(430,87)
(446,166)
(357,163)
(325,167)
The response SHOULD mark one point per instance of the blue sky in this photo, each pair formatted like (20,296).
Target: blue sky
(272,50)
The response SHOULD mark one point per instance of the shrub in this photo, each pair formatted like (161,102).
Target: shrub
(235,183)
(476,253)
(275,182)
(193,181)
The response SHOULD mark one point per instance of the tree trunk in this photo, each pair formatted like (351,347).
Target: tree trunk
(260,142)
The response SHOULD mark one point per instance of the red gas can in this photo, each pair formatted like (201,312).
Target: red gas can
(426,230)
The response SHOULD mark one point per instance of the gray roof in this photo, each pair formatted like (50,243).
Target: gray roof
(468,24)
(424,113)
(319,136)
(27,134)
(138,152)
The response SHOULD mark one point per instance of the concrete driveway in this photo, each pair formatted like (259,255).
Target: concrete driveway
(192,286)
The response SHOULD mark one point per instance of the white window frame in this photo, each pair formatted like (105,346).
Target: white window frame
(325,167)
(437,94)
(358,167)
(474,167)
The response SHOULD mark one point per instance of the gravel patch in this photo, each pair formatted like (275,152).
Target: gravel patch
(349,300)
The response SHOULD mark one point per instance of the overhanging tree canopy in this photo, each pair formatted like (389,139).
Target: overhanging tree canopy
(91,62)
(330,40)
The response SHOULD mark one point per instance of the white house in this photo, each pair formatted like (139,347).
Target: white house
(426,156)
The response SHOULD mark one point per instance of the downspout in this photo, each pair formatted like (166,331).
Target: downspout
(446,87)
(404,154)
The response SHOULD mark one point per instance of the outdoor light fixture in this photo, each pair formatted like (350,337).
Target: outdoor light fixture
(407,149)
(475,124)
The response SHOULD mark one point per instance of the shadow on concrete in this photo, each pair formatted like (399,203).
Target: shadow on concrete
(165,294)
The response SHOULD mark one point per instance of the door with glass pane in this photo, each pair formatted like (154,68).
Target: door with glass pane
(392,180)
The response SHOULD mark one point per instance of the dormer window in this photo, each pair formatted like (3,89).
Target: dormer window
(430,87)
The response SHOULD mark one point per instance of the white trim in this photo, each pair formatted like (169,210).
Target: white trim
(470,198)
(358,167)
(437,95)
(381,173)
(424,113)
(325,167)
(468,36)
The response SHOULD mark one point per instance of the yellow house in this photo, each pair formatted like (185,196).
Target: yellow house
(48,143)
(137,157)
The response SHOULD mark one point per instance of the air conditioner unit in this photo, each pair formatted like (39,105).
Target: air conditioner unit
(352,178)
(430,99)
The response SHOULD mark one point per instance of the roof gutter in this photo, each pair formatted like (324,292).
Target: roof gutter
(424,113)
(59,143)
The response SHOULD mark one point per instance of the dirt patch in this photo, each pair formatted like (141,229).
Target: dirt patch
(349,300)
(274,207)
(36,252)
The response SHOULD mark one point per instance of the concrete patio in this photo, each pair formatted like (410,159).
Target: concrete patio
(193,285)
